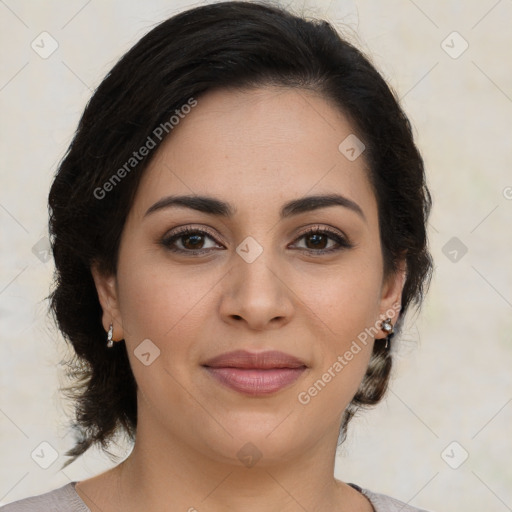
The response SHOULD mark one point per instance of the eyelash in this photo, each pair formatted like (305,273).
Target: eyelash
(343,242)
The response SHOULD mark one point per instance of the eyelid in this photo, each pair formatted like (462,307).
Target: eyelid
(192,228)
(343,241)
(180,231)
(322,228)
(338,236)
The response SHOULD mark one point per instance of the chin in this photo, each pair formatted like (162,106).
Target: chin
(264,439)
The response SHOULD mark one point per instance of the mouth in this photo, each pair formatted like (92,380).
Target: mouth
(255,374)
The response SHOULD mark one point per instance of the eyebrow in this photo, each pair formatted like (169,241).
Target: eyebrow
(213,206)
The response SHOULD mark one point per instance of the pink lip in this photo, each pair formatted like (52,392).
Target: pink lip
(255,373)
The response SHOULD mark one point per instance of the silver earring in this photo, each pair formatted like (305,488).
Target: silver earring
(110,342)
(387,327)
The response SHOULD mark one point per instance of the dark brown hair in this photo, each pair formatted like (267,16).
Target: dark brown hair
(227,44)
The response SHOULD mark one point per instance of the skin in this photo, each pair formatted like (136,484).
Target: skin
(255,149)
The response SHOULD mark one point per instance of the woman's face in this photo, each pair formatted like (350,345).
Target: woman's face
(247,277)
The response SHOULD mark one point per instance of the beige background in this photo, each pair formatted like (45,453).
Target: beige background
(453,377)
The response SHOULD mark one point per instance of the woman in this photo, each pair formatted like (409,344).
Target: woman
(238,230)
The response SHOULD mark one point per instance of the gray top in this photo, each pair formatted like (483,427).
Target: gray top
(66,499)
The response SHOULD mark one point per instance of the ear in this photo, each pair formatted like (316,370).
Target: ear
(106,286)
(391,294)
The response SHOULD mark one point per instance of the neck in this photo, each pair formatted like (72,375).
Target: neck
(163,471)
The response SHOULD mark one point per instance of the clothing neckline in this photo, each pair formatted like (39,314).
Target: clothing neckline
(77,499)
(84,508)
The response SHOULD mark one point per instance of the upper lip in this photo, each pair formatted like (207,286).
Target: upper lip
(259,360)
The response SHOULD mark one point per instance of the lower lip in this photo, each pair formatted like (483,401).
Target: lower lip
(255,381)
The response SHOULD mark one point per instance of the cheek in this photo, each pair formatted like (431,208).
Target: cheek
(342,352)
(153,301)
(166,306)
(345,309)
(345,300)
(165,303)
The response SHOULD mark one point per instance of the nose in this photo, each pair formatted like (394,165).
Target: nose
(256,294)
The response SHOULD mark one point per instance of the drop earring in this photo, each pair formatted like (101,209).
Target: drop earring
(387,327)
(110,334)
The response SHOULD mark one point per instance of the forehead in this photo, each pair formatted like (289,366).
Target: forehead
(257,146)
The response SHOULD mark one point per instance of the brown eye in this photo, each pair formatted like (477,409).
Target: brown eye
(189,240)
(192,241)
(317,241)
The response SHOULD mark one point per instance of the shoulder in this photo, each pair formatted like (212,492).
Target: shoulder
(63,499)
(383,503)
